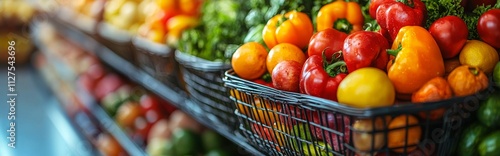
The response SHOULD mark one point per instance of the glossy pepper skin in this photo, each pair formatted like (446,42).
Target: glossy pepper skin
(417,60)
(365,49)
(317,81)
(374,4)
(328,41)
(344,16)
(293,27)
(392,16)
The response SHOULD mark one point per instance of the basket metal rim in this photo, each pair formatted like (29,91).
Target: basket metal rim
(232,81)
(152,47)
(112,33)
(197,63)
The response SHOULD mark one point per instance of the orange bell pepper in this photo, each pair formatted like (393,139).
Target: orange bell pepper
(293,27)
(176,25)
(418,59)
(190,7)
(343,16)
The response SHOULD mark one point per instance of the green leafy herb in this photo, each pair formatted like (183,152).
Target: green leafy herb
(441,8)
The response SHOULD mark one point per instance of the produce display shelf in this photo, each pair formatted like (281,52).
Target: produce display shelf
(165,90)
(103,119)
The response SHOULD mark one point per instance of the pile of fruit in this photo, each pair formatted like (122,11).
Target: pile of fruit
(151,122)
(127,15)
(160,21)
(170,18)
(380,54)
(181,135)
(90,8)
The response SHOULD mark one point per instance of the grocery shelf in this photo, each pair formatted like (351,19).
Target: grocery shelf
(165,90)
(90,104)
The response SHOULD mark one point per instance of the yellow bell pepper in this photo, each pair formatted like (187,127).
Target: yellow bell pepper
(343,16)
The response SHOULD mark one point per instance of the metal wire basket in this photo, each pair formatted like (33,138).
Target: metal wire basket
(118,41)
(205,87)
(286,123)
(156,59)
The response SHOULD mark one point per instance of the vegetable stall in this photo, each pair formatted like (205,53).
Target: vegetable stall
(386,77)
(313,77)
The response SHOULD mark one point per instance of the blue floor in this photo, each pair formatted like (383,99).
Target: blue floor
(42,126)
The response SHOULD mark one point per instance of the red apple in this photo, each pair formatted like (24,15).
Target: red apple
(106,85)
(286,76)
(91,77)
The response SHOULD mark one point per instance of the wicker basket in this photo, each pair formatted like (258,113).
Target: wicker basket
(156,59)
(286,123)
(119,41)
(205,87)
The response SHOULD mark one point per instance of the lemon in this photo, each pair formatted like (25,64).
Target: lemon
(479,54)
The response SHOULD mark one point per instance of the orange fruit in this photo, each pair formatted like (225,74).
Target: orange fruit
(396,139)
(261,110)
(249,61)
(283,52)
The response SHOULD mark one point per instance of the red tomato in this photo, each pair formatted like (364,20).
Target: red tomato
(450,33)
(328,40)
(152,108)
(488,27)
(263,82)
(142,129)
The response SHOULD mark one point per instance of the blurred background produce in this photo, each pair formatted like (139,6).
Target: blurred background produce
(15,17)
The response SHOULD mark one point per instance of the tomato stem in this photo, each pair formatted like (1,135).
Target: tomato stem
(336,68)
(343,25)
(394,52)
(267,77)
(409,3)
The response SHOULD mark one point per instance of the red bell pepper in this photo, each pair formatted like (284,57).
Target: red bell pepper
(328,41)
(320,79)
(392,16)
(374,4)
(365,49)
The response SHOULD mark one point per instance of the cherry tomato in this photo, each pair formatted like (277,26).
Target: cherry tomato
(488,27)
(450,33)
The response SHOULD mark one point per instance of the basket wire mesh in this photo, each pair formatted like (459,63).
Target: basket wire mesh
(286,123)
(205,86)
